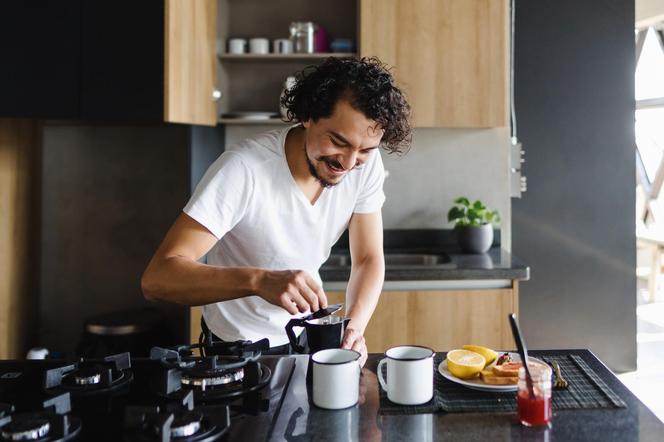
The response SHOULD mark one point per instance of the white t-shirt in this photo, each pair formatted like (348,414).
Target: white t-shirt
(249,200)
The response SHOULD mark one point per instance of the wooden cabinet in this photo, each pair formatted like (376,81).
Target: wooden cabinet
(152,60)
(19,141)
(442,320)
(449,56)
(190,61)
(195,329)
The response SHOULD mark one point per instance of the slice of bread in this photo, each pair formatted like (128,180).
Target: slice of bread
(488,377)
(508,369)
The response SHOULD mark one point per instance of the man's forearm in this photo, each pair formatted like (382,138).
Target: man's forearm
(183,281)
(363,292)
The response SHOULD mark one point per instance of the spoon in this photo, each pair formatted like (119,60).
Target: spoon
(523,352)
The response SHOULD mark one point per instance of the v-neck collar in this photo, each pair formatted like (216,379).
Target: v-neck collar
(296,188)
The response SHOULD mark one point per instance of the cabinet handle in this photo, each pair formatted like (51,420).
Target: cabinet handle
(216,95)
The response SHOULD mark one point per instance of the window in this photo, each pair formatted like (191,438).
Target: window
(649,125)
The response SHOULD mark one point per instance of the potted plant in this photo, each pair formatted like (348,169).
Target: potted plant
(473,224)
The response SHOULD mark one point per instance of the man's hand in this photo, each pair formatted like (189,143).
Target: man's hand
(355,341)
(294,290)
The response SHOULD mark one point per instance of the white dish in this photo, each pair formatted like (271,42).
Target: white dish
(477,384)
(251,115)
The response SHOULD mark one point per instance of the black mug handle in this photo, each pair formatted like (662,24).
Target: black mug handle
(343,330)
(295,322)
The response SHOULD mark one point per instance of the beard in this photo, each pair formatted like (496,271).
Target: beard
(312,169)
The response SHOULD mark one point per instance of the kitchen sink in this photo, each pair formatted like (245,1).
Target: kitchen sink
(393,260)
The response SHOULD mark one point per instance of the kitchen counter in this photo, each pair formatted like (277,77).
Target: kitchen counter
(496,265)
(299,420)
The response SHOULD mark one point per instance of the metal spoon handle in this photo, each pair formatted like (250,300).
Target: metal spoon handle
(523,351)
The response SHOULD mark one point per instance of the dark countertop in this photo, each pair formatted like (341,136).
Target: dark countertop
(496,264)
(298,420)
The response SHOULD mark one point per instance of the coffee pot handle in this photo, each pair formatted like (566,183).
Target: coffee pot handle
(295,322)
(379,372)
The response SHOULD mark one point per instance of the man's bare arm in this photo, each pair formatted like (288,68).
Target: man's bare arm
(175,275)
(368,268)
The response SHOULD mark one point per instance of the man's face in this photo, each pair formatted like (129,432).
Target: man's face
(336,145)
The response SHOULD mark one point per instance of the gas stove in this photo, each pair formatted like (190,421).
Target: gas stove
(222,370)
(189,393)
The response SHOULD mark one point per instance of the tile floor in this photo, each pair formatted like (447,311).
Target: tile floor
(647,382)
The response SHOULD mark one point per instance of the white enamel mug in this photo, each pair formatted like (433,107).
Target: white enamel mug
(237,46)
(336,378)
(409,374)
(259,46)
(282,46)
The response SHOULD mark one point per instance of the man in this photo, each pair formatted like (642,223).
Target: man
(268,211)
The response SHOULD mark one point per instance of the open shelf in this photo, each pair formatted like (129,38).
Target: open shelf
(255,81)
(284,57)
(252,121)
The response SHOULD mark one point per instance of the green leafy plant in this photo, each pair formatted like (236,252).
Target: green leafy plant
(465,213)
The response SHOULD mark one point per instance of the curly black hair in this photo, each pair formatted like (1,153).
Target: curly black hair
(369,87)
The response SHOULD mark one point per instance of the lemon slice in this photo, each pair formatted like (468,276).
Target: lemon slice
(488,354)
(465,364)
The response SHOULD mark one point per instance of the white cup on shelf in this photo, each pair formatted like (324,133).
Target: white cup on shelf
(336,378)
(409,374)
(259,46)
(282,46)
(237,46)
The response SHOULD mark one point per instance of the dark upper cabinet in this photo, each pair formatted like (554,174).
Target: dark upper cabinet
(122,60)
(40,53)
(147,60)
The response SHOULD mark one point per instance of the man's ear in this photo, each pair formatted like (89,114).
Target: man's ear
(307,123)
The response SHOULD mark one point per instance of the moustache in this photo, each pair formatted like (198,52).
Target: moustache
(334,163)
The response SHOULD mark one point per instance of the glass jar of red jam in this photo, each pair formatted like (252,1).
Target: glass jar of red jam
(535,411)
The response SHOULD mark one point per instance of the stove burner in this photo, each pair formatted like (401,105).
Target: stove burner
(5,409)
(212,371)
(177,421)
(54,422)
(212,381)
(185,423)
(89,377)
(86,376)
(212,377)
(28,428)
(206,387)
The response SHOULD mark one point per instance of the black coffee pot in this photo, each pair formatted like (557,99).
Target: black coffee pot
(323,330)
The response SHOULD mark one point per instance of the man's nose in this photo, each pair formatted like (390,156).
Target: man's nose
(348,161)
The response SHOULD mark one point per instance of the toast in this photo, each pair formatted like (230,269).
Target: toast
(508,369)
(488,377)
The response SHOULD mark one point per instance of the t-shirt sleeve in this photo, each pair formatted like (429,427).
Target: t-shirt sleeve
(371,196)
(222,196)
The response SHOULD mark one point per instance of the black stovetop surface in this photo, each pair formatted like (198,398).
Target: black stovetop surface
(103,416)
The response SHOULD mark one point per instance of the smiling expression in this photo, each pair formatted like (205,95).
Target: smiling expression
(336,145)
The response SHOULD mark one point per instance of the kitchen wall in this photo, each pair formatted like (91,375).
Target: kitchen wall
(575,226)
(108,195)
(441,165)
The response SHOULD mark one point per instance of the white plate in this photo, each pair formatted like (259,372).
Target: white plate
(477,384)
(251,115)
